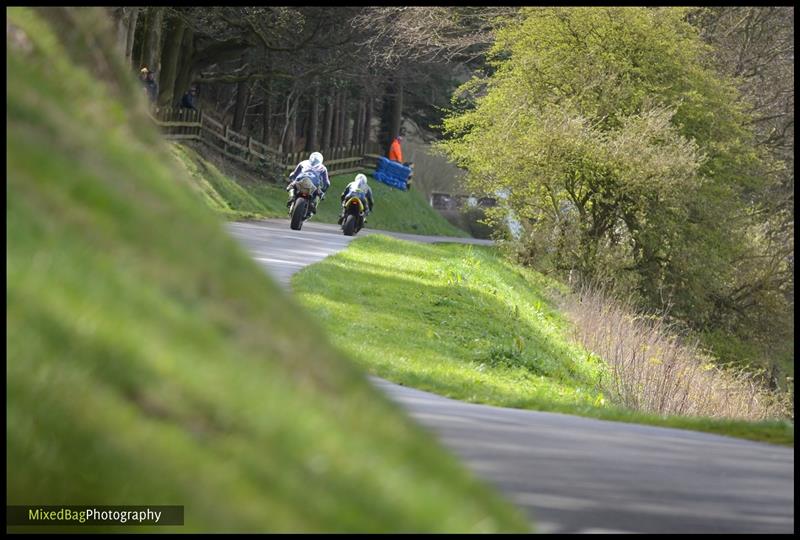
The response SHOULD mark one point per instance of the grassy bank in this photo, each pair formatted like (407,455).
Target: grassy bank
(395,210)
(151,361)
(462,322)
(235,199)
(238,195)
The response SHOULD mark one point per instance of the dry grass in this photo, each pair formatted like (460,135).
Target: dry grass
(653,369)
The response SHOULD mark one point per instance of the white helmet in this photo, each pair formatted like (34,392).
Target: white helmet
(315,159)
(361,181)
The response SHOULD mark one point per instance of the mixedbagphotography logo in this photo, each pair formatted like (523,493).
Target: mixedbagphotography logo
(94,515)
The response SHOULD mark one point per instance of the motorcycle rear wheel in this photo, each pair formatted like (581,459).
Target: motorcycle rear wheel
(298,213)
(349,225)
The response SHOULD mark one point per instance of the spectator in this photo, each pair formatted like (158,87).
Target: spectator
(395,152)
(149,84)
(189,98)
(143,79)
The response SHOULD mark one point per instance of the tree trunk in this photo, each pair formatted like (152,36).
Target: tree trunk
(131,35)
(120,17)
(362,122)
(151,51)
(304,122)
(384,112)
(340,141)
(184,79)
(125,23)
(397,111)
(327,123)
(241,102)
(367,133)
(142,47)
(358,124)
(125,26)
(169,62)
(292,143)
(337,99)
(312,141)
(266,134)
(291,109)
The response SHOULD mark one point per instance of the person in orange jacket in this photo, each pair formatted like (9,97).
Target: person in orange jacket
(396,153)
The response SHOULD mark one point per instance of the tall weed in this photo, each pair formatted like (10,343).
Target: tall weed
(653,368)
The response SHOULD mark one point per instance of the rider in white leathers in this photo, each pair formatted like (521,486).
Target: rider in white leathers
(359,188)
(319,175)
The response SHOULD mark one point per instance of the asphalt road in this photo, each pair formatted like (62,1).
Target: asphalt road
(574,474)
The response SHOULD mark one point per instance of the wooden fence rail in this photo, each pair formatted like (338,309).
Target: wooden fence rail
(188,124)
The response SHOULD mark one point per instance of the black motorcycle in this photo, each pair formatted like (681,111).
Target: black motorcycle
(301,203)
(353,216)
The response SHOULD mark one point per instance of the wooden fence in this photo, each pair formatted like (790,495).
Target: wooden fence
(188,124)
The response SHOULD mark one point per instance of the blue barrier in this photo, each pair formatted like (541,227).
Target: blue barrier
(392,173)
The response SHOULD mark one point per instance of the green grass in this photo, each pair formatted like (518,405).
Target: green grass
(463,322)
(237,197)
(151,361)
(395,210)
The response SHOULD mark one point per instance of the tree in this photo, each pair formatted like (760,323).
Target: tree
(125,19)
(397,35)
(242,97)
(755,45)
(151,49)
(417,48)
(169,60)
(624,154)
(185,73)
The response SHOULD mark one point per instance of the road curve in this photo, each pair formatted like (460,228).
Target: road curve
(574,474)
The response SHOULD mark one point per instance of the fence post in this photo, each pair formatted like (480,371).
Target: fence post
(225,139)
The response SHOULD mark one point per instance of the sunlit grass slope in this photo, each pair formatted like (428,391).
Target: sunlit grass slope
(151,361)
(395,210)
(466,323)
(238,197)
(235,199)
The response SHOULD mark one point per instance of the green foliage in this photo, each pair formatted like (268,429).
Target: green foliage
(624,155)
(464,322)
(147,361)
